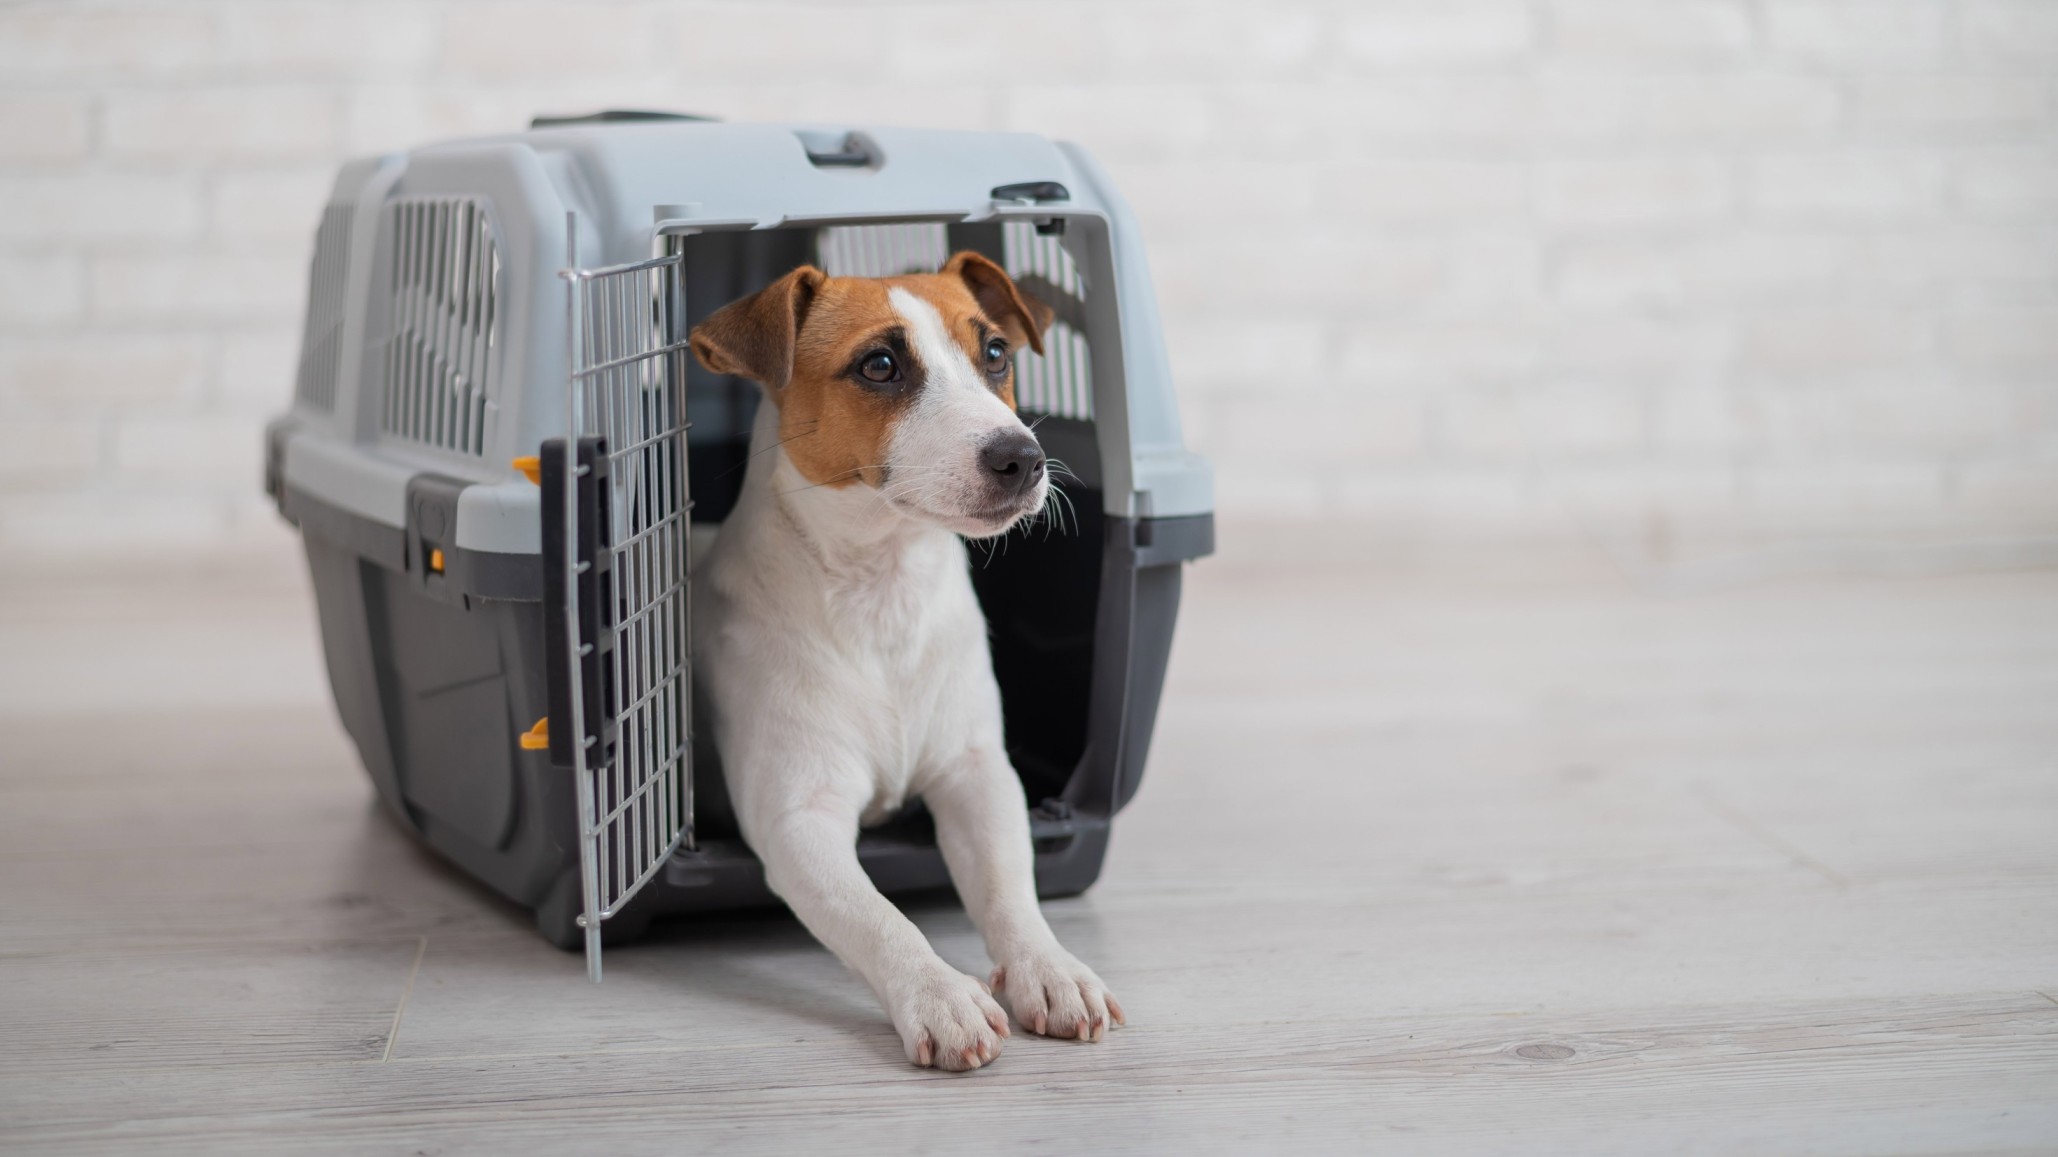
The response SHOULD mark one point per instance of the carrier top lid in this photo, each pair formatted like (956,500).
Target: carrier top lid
(633,169)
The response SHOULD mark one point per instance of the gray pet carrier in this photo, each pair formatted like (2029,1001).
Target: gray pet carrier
(490,460)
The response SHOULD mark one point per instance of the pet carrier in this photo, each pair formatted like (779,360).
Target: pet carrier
(489,459)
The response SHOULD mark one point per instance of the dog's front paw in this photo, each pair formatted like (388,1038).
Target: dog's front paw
(948,1020)
(1055,995)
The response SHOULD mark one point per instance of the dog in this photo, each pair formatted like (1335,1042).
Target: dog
(841,646)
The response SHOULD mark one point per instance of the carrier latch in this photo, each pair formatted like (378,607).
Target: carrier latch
(537,738)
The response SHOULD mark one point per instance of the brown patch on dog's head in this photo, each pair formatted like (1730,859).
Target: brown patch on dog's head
(815,343)
(1022,317)
(753,338)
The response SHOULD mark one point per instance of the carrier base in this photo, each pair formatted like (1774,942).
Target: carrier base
(433,684)
(724,876)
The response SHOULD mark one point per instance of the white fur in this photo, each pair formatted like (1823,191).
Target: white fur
(845,657)
(933,458)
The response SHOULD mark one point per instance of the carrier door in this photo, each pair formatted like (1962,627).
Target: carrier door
(615,543)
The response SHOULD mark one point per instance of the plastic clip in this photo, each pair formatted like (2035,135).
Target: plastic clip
(537,738)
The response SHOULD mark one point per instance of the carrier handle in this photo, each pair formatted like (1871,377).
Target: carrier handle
(610,116)
(1032,191)
(828,150)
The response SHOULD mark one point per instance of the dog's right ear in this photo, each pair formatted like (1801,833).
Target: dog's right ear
(1002,301)
(753,338)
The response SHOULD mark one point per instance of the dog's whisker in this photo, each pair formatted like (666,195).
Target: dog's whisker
(774,446)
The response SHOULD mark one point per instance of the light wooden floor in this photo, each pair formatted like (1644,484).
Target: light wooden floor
(1480,857)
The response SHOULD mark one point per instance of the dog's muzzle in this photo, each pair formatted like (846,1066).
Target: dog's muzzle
(1013,463)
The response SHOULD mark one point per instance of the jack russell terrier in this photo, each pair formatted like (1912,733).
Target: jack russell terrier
(843,650)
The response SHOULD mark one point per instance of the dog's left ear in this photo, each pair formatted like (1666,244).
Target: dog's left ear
(1021,316)
(753,338)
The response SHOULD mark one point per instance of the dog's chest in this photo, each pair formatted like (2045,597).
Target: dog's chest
(902,649)
(840,663)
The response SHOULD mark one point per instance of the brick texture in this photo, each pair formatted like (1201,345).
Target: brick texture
(1485,266)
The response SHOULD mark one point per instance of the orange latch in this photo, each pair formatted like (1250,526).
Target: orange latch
(531,468)
(537,738)
(435,560)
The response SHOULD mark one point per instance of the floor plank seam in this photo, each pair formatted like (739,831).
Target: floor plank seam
(421,948)
(1768,837)
(1657,1022)
(202,942)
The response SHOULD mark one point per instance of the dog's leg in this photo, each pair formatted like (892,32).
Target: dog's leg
(982,825)
(945,1018)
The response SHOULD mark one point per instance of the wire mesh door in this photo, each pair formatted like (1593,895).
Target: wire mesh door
(626,665)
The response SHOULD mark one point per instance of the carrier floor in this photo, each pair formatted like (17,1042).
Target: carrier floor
(1427,860)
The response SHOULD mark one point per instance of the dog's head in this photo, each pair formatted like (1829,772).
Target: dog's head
(904,384)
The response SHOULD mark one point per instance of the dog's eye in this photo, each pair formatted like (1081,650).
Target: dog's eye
(879,367)
(996,356)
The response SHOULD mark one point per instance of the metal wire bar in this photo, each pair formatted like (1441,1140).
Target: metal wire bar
(655,606)
(669,521)
(656,783)
(645,697)
(626,382)
(669,260)
(626,359)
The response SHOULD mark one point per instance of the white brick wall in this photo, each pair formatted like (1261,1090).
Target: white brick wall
(1500,266)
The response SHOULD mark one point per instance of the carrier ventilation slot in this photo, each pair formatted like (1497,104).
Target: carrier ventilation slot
(882,250)
(321,338)
(1060,380)
(446,278)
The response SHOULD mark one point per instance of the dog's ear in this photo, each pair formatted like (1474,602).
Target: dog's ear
(753,338)
(1020,315)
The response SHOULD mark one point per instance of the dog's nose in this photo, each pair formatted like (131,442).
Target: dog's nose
(1014,458)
